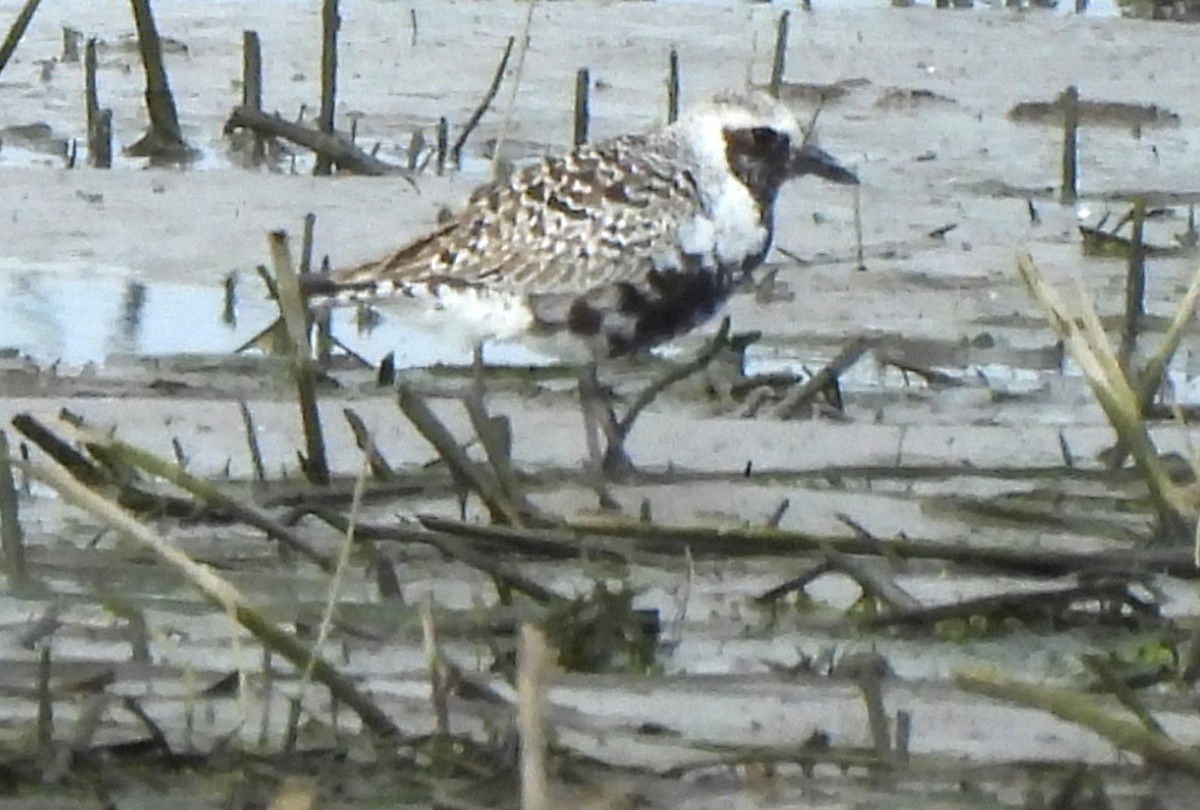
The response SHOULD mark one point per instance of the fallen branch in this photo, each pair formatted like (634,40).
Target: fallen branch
(1082,709)
(339,150)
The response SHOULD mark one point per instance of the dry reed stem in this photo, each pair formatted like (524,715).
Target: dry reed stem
(224,596)
(1090,349)
(204,491)
(534,664)
(295,318)
(1082,709)
(439,692)
(335,583)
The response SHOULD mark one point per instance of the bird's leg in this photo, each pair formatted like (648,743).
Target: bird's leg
(616,462)
(598,420)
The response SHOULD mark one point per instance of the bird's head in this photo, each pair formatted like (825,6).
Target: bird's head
(758,140)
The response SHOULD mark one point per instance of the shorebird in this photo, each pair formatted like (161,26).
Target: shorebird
(613,248)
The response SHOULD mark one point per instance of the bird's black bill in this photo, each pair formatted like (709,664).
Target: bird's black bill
(809,159)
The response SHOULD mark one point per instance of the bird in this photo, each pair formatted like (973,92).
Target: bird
(608,250)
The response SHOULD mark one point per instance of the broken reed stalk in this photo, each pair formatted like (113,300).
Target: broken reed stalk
(165,139)
(12,543)
(227,598)
(484,104)
(330,22)
(1135,291)
(17,31)
(99,122)
(1089,348)
(380,469)
(534,664)
(673,86)
(252,86)
(779,62)
(1069,191)
(292,307)
(583,112)
(1082,709)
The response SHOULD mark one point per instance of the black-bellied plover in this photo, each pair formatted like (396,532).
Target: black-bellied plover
(614,248)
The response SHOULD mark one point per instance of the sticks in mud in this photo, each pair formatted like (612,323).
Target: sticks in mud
(616,462)
(484,104)
(252,86)
(583,112)
(1069,191)
(673,86)
(164,139)
(224,596)
(99,121)
(779,62)
(1135,290)
(330,22)
(496,489)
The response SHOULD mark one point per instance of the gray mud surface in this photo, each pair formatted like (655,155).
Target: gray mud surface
(964,427)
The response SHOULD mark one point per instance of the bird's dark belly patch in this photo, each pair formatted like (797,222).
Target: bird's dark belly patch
(628,318)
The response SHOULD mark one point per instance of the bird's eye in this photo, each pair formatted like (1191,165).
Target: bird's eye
(766,137)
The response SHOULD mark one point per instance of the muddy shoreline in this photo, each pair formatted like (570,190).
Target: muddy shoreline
(965,428)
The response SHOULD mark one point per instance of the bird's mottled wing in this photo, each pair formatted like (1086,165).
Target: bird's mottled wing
(602,214)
